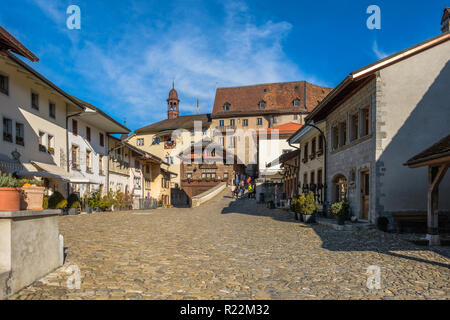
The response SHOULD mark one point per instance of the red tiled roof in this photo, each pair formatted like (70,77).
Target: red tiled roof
(181,122)
(278,98)
(8,42)
(287,127)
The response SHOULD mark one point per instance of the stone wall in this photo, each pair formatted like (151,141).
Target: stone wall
(355,157)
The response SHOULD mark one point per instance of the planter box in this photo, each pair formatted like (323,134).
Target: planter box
(31,198)
(72,211)
(9,199)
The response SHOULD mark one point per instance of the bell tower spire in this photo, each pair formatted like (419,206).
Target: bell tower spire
(173,103)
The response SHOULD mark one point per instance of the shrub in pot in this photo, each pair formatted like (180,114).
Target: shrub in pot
(340,211)
(57,201)
(308,207)
(9,193)
(74,208)
(32,194)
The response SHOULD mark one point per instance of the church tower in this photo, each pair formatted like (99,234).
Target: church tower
(173,104)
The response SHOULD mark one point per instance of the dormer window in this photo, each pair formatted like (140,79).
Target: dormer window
(226,107)
(262,105)
(296,103)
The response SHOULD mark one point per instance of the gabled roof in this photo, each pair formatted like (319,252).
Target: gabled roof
(114,125)
(290,127)
(284,157)
(181,122)
(439,150)
(9,43)
(278,98)
(360,77)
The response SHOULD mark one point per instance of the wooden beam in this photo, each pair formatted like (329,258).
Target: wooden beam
(435,176)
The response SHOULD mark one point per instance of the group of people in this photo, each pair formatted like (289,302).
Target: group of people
(238,189)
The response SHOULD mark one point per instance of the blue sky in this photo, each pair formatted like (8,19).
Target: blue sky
(127,53)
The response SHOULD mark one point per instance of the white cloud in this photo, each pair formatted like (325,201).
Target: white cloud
(378,52)
(137,71)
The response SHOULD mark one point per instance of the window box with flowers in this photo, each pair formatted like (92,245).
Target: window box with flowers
(42,148)
(51,150)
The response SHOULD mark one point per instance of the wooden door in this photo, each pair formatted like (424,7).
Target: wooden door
(365,194)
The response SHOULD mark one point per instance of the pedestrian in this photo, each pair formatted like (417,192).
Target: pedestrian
(250,191)
(242,193)
(233,191)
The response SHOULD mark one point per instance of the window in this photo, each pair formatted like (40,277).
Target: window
(232,142)
(226,107)
(50,144)
(20,134)
(245,123)
(274,119)
(295,116)
(296,103)
(225,175)
(305,178)
(88,134)
(100,164)
(313,178)
(137,183)
(232,123)
(169,159)
(140,142)
(147,169)
(35,100)
(305,153)
(102,139)
(366,121)
(262,105)
(147,183)
(205,132)
(137,165)
(343,133)
(320,143)
(75,159)
(221,123)
(313,147)
(319,176)
(74,127)
(7,130)
(52,110)
(42,147)
(335,137)
(156,140)
(189,175)
(259,121)
(222,141)
(4,84)
(354,127)
(88,161)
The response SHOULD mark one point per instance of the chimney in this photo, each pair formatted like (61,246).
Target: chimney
(445,22)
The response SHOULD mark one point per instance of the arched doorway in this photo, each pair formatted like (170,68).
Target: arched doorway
(340,188)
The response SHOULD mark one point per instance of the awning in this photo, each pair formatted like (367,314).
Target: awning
(40,174)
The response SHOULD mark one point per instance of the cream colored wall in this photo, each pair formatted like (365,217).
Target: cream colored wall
(315,164)
(17,107)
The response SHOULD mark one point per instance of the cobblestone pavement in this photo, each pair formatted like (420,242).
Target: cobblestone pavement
(235,250)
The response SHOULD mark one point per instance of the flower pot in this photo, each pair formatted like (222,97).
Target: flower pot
(31,198)
(72,211)
(296,216)
(9,199)
(340,220)
(309,218)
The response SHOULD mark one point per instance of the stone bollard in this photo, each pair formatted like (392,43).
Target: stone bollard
(61,250)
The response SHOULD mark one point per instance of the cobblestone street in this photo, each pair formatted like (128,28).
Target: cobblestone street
(235,250)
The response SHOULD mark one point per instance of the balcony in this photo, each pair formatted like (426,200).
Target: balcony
(319,153)
(89,170)
(226,128)
(76,166)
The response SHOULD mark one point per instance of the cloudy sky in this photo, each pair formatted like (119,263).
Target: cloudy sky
(127,53)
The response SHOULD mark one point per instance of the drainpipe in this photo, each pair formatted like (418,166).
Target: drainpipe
(107,162)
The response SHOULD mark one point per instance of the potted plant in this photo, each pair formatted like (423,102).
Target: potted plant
(9,193)
(32,194)
(340,211)
(57,201)
(308,207)
(73,204)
